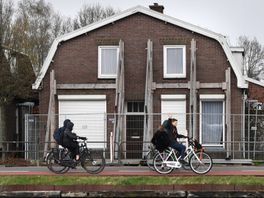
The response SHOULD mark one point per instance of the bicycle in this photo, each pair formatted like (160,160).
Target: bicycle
(199,161)
(149,157)
(59,160)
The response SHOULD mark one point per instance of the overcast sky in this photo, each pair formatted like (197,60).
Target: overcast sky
(231,18)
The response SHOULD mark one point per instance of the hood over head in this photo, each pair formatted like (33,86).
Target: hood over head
(66,122)
(70,126)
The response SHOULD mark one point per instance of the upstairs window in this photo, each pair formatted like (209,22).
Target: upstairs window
(107,61)
(174,61)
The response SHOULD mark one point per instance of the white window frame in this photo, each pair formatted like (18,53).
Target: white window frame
(174,75)
(100,75)
(212,97)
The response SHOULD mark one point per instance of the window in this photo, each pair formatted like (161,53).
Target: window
(174,106)
(212,121)
(135,106)
(107,61)
(174,57)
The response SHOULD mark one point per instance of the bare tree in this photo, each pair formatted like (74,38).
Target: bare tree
(253,57)
(92,13)
(6,14)
(33,26)
(31,30)
(60,25)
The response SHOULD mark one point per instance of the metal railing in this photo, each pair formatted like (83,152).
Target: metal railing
(122,154)
(247,136)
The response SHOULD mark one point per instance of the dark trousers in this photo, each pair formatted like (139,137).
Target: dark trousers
(179,147)
(74,148)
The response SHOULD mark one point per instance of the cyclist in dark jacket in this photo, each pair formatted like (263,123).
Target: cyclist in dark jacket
(62,129)
(170,126)
(69,141)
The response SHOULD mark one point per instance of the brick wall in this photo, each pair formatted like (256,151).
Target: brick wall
(76,60)
(256,92)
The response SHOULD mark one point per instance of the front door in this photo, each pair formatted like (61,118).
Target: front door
(134,129)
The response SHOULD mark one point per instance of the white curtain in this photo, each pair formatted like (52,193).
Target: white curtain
(174,60)
(108,61)
(212,122)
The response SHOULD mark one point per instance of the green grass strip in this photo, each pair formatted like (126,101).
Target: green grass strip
(129,180)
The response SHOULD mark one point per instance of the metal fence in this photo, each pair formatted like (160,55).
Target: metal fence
(247,135)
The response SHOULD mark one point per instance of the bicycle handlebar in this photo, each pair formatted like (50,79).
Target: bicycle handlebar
(81,138)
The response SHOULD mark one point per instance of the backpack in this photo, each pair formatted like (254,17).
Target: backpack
(57,135)
(160,140)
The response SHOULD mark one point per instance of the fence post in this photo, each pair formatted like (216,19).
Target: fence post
(111,147)
(3,151)
(248,123)
(255,132)
(119,152)
(26,136)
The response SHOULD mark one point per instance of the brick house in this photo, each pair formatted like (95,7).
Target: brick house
(142,62)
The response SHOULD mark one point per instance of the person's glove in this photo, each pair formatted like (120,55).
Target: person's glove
(83,138)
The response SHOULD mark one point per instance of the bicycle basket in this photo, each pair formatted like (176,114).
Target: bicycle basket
(197,145)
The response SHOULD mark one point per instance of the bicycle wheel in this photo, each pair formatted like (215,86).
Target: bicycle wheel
(159,165)
(93,161)
(54,166)
(149,158)
(187,165)
(201,162)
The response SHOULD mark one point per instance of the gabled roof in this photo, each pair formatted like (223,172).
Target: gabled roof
(254,81)
(140,9)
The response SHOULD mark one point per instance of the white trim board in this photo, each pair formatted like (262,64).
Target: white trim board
(140,9)
(173,97)
(212,96)
(81,97)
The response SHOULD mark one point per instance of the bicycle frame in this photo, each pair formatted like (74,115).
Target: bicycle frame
(175,163)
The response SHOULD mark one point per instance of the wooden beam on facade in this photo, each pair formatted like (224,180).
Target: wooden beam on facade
(119,100)
(228,111)
(148,110)
(210,85)
(170,86)
(193,92)
(188,85)
(87,86)
(51,114)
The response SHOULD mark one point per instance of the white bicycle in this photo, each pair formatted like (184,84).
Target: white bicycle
(199,161)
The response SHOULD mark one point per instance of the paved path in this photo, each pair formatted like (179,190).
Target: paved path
(136,170)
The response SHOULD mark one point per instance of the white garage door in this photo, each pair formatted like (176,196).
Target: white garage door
(88,115)
(174,106)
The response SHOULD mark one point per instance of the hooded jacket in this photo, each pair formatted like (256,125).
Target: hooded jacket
(173,132)
(68,135)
